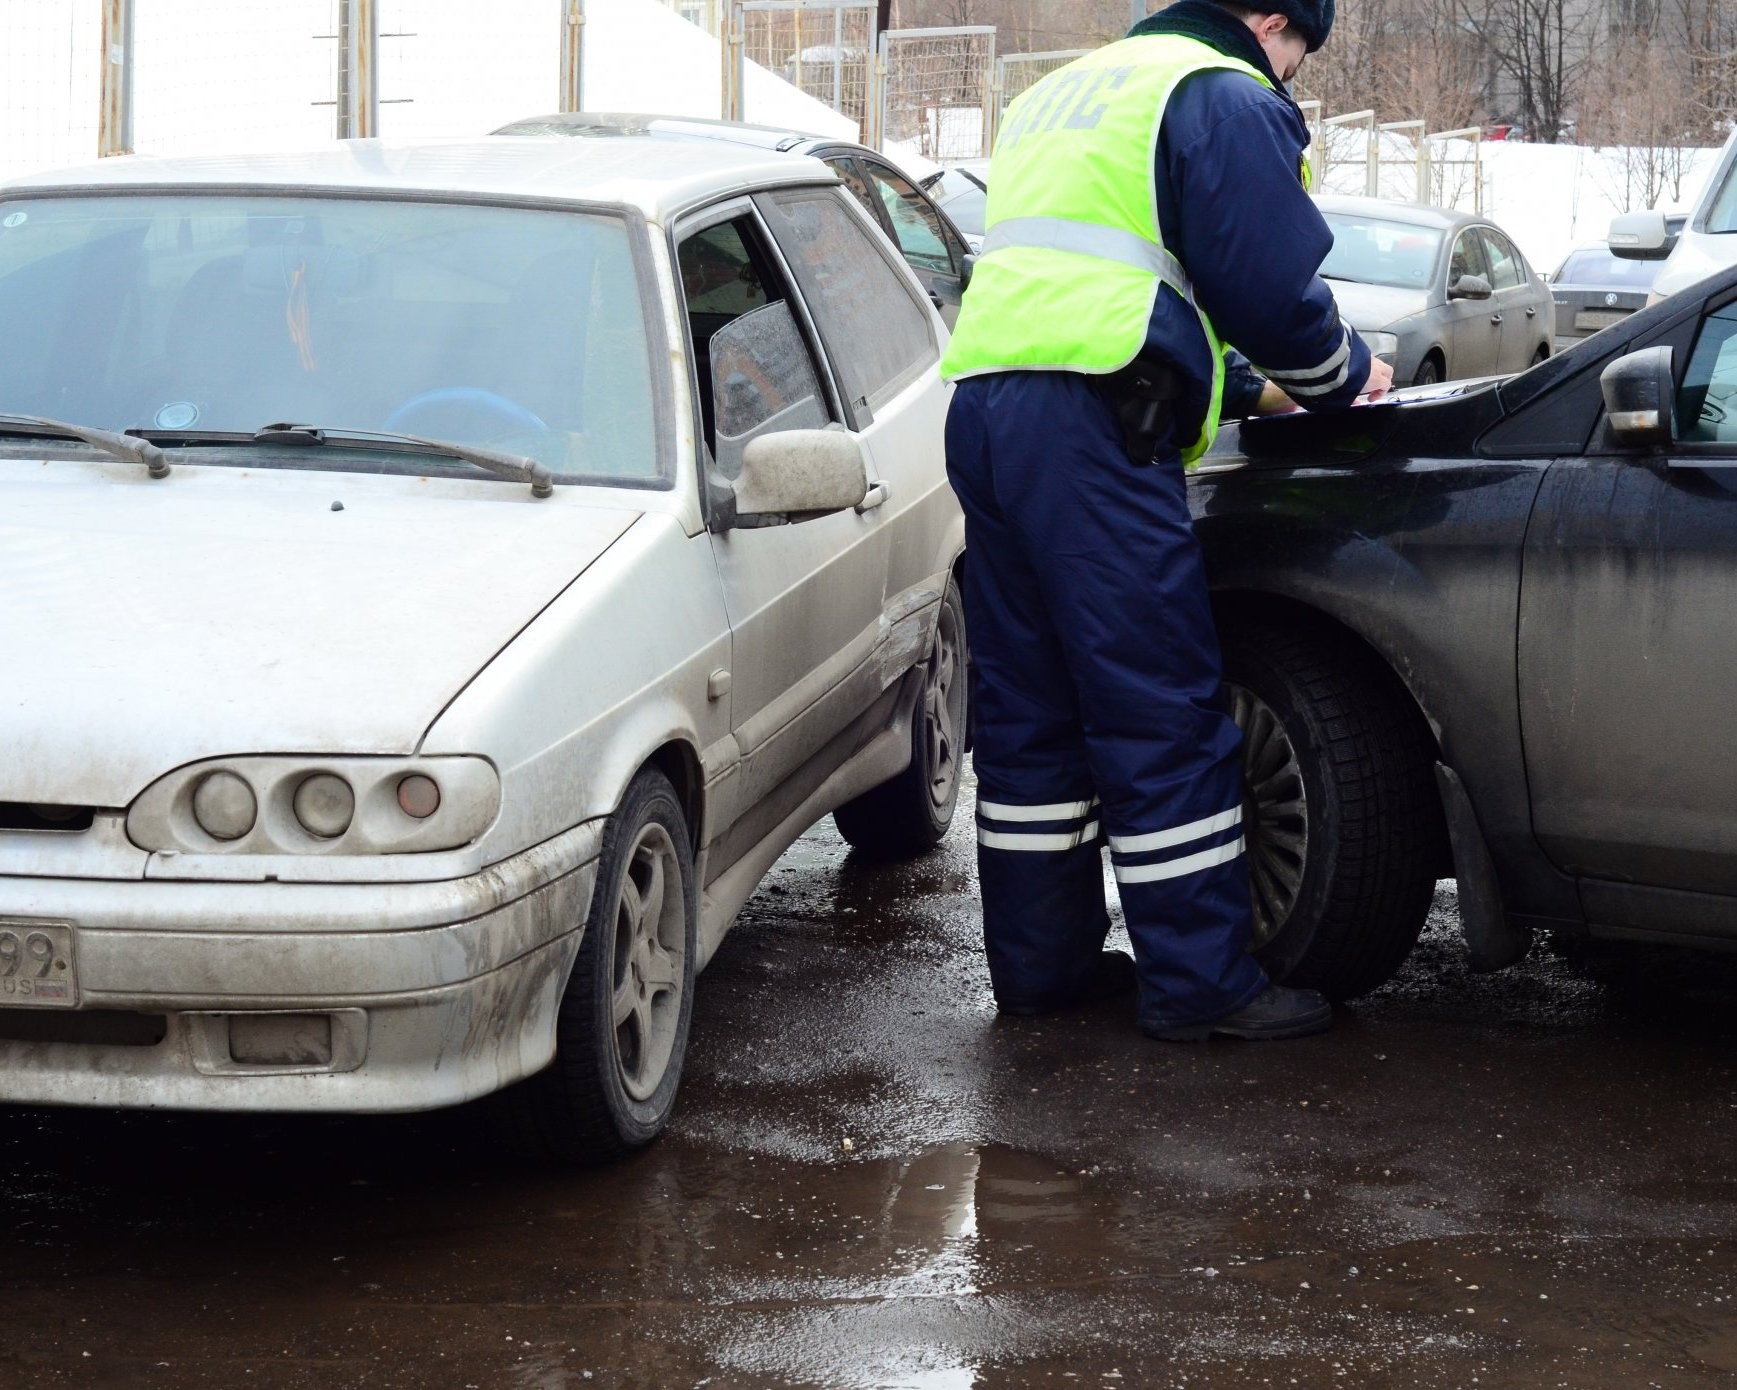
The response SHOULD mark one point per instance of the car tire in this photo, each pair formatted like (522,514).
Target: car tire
(622,1027)
(908,814)
(1343,824)
(1429,371)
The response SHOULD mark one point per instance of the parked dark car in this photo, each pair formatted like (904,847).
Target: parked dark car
(1490,635)
(1594,288)
(932,246)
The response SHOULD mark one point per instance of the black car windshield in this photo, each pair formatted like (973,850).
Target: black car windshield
(1374,251)
(514,328)
(1596,266)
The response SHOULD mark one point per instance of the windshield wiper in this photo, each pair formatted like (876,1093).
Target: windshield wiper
(121,446)
(515,466)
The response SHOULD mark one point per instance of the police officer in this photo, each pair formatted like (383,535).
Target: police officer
(1147,207)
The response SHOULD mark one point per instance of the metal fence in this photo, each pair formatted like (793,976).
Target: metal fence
(825,48)
(936,91)
(1016,72)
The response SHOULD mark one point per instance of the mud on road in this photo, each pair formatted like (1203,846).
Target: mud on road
(873,1182)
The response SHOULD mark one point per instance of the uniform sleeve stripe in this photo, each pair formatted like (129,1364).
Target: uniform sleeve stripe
(1339,359)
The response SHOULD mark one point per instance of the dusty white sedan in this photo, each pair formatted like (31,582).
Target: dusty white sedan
(436,583)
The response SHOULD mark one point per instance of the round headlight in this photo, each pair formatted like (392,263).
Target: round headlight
(418,796)
(324,804)
(224,806)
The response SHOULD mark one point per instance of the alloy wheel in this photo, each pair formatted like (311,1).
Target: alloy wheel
(943,711)
(1275,813)
(649,956)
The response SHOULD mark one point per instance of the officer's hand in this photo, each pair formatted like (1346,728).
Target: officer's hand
(1380,380)
(1274,401)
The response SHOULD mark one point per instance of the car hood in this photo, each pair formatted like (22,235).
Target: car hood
(1372,307)
(219,611)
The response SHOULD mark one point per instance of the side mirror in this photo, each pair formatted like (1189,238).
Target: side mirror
(796,471)
(970,266)
(1470,287)
(1641,236)
(1640,395)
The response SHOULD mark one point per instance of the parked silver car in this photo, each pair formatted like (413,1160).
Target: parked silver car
(440,581)
(1594,289)
(1438,294)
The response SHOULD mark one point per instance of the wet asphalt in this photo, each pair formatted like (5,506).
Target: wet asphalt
(874,1183)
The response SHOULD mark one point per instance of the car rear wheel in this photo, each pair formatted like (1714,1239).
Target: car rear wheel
(1343,824)
(622,1030)
(1429,371)
(909,813)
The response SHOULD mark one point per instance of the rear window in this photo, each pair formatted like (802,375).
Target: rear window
(1596,266)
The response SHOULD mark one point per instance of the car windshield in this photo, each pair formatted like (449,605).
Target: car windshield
(1722,206)
(1596,266)
(1374,251)
(513,328)
(963,197)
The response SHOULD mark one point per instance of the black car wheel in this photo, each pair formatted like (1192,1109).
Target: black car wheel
(909,813)
(1429,371)
(622,1030)
(1340,812)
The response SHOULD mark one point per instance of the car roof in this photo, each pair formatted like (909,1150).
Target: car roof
(606,123)
(1419,214)
(658,177)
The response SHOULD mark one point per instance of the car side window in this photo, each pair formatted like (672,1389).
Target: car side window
(851,175)
(1707,400)
(877,333)
(1468,258)
(1506,269)
(756,373)
(917,227)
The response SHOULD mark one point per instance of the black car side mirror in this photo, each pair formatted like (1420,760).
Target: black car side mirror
(1640,396)
(1470,287)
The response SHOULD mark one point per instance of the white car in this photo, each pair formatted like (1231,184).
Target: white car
(1692,248)
(439,582)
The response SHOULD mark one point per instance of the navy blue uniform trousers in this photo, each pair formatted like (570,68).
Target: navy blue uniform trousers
(1099,710)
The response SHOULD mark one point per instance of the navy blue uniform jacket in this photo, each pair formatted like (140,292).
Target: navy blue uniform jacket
(1233,210)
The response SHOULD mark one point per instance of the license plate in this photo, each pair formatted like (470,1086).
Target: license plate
(37,969)
(1598,318)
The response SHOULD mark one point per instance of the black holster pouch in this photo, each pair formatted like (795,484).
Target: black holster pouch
(1143,398)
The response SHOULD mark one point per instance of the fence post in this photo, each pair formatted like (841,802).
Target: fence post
(876,117)
(115,119)
(730,54)
(1418,157)
(572,55)
(358,69)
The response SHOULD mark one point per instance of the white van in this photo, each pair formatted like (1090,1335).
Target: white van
(1706,244)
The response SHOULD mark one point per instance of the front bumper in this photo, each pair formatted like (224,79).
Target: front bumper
(301,997)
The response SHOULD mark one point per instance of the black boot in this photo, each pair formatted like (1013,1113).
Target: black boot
(1278,1013)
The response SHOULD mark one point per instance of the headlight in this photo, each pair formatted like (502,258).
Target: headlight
(1382,345)
(289,805)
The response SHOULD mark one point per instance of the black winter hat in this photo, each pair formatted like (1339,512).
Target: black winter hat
(1313,18)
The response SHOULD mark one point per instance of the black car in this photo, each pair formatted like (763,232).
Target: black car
(932,246)
(1489,633)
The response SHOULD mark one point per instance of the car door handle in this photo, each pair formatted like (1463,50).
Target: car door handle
(873,498)
(1495,318)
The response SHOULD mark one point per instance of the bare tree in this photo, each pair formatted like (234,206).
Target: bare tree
(1539,46)
(1636,100)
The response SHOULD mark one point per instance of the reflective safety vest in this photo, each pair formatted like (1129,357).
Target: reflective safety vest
(1072,255)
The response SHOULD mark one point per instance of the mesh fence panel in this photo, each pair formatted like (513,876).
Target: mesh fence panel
(708,14)
(214,76)
(50,84)
(823,47)
(938,90)
(1018,72)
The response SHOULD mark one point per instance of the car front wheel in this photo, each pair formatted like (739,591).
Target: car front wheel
(622,1030)
(1343,824)
(909,813)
